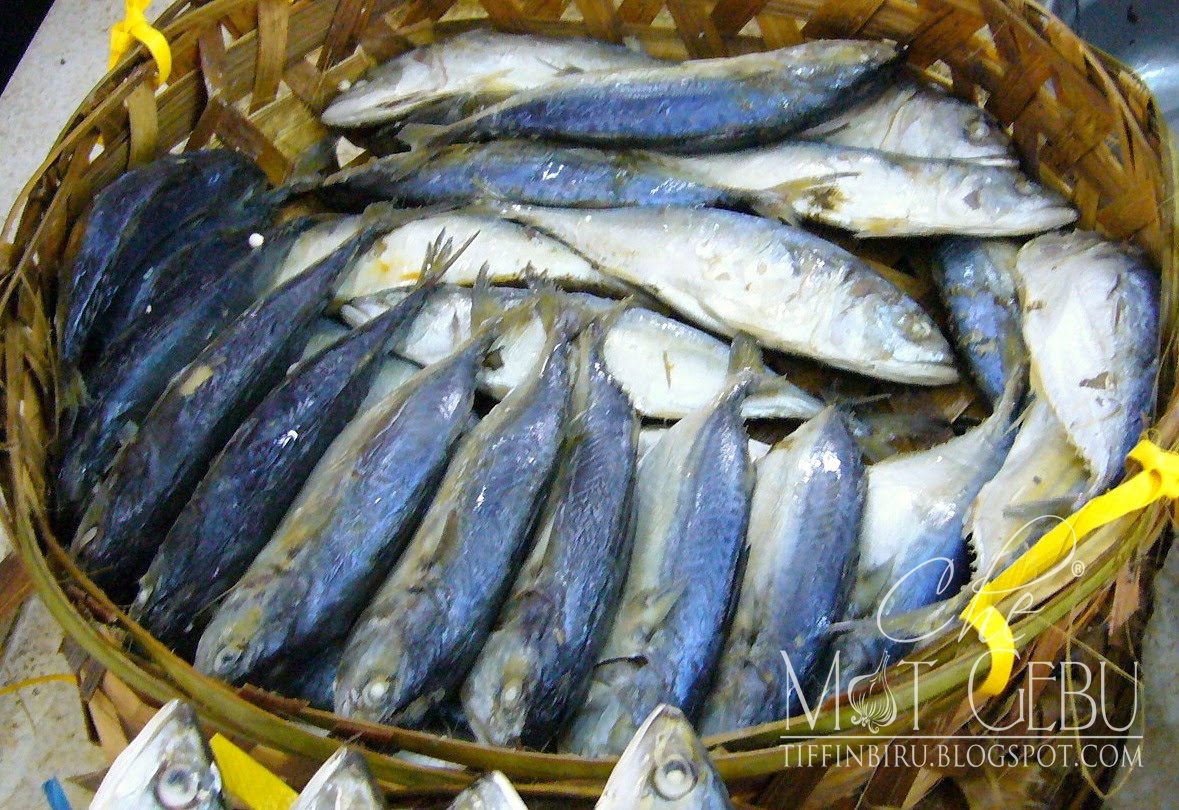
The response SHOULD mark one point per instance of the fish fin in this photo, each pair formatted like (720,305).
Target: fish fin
(745,355)
(421,136)
(441,256)
(772,206)
(485,308)
(74,394)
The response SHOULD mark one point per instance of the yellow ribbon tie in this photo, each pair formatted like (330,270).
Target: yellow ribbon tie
(1159,478)
(134,26)
(247,780)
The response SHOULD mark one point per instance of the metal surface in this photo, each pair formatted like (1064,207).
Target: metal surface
(1142,33)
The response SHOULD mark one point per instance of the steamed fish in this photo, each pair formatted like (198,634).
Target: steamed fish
(343,782)
(872,193)
(1091,325)
(468,70)
(415,642)
(157,471)
(692,499)
(696,106)
(789,289)
(492,792)
(667,368)
(167,766)
(803,530)
(664,767)
(976,279)
(533,670)
(510,251)
(915,119)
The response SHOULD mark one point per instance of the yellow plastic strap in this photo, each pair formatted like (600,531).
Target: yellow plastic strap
(1159,479)
(247,781)
(134,26)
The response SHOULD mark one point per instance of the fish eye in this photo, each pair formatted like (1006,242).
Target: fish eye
(675,777)
(178,787)
(227,659)
(375,691)
(1025,186)
(977,131)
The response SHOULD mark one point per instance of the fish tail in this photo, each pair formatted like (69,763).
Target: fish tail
(441,255)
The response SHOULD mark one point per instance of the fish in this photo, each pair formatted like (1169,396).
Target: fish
(343,782)
(512,253)
(697,106)
(789,289)
(156,472)
(534,668)
(490,792)
(468,70)
(168,766)
(877,194)
(414,643)
(650,436)
(131,217)
(667,368)
(664,767)
(912,551)
(314,680)
(242,498)
(1041,481)
(347,526)
(918,120)
(976,280)
(692,502)
(1091,324)
(525,172)
(137,367)
(808,501)
(328,235)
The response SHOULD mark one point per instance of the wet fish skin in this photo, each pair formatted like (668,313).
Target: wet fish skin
(876,194)
(665,767)
(419,636)
(343,782)
(157,471)
(534,668)
(692,501)
(347,527)
(137,368)
(807,506)
(247,490)
(526,172)
(913,118)
(491,792)
(976,280)
(912,546)
(132,216)
(697,106)
(789,289)
(666,367)
(466,71)
(168,765)
(1091,324)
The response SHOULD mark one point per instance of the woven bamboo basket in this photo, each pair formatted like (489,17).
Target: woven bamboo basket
(253,74)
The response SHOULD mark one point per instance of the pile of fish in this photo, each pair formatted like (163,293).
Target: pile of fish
(470,449)
(169,766)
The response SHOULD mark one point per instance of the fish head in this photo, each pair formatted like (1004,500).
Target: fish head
(492,792)
(497,696)
(168,766)
(343,782)
(229,647)
(369,684)
(1007,200)
(393,90)
(664,766)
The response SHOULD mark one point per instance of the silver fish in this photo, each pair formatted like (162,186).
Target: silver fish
(509,250)
(664,767)
(344,782)
(168,766)
(696,106)
(492,792)
(873,193)
(912,551)
(422,631)
(807,505)
(1091,325)
(915,119)
(692,500)
(1042,480)
(468,69)
(789,289)
(976,279)
(533,669)
(667,368)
